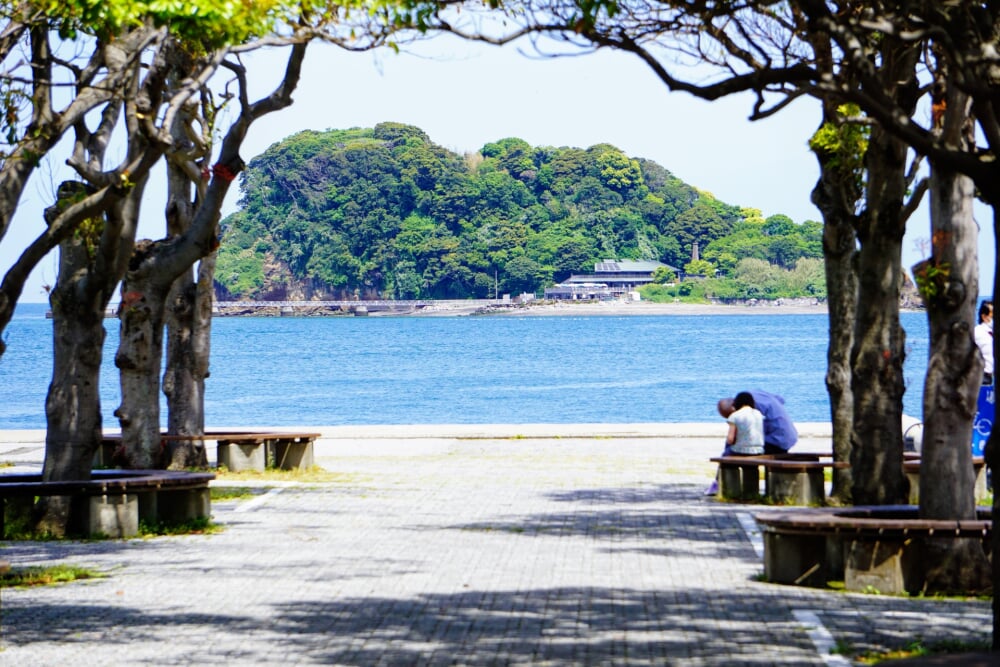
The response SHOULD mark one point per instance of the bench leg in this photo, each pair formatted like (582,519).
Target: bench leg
(238,456)
(887,566)
(800,487)
(739,482)
(290,455)
(914,479)
(980,488)
(730,484)
(114,516)
(802,560)
(177,506)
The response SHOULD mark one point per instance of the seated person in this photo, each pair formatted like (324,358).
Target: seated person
(746,427)
(779,430)
(746,431)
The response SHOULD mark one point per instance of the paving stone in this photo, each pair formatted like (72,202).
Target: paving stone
(544,551)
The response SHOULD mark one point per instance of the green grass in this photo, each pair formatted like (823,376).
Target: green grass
(199,526)
(315,475)
(223,493)
(22,577)
(918,648)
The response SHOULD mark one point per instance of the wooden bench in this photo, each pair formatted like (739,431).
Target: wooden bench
(116,500)
(239,450)
(867,547)
(911,466)
(792,478)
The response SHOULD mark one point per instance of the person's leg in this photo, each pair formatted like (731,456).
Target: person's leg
(713,488)
(773,449)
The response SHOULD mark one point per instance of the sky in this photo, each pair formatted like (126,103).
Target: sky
(464,96)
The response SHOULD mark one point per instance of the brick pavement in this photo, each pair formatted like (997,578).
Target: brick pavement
(453,551)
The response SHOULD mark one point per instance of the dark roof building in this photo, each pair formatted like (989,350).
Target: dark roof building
(611,279)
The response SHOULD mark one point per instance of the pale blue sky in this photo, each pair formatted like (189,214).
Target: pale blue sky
(464,96)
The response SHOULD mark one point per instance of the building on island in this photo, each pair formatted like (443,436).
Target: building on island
(611,279)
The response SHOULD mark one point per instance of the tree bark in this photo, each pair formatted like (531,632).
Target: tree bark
(189,319)
(950,286)
(186,332)
(879,340)
(73,402)
(72,406)
(140,349)
(836,195)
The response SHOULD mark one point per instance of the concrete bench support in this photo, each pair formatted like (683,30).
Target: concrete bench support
(739,482)
(114,516)
(259,451)
(175,506)
(294,454)
(803,485)
(795,559)
(240,456)
(887,566)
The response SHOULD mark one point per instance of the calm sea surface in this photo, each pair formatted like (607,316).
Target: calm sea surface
(476,370)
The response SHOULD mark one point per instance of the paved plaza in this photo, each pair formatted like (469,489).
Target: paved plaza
(506,545)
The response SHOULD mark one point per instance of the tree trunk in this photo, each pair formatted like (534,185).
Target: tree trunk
(187,331)
(73,402)
(842,305)
(189,320)
(836,195)
(879,340)
(950,286)
(140,350)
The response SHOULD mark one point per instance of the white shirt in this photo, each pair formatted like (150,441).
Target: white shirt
(984,340)
(749,424)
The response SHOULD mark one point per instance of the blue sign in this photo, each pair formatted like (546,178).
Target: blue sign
(983,423)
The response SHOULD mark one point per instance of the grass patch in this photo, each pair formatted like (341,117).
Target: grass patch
(22,577)
(917,648)
(223,493)
(315,474)
(199,526)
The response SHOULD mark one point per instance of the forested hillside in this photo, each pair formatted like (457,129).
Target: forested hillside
(386,213)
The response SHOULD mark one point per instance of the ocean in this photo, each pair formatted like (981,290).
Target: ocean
(302,372)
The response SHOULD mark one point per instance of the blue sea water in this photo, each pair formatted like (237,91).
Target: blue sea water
(476,370)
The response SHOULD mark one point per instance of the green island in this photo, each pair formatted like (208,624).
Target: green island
(385,213)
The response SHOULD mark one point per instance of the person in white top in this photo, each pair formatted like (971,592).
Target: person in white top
(746,427)
(984,339)
(746,430)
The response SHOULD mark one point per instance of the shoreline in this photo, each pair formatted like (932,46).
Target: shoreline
(715,430)
(615,308)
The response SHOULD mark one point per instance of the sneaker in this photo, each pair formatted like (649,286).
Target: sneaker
(713,488)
